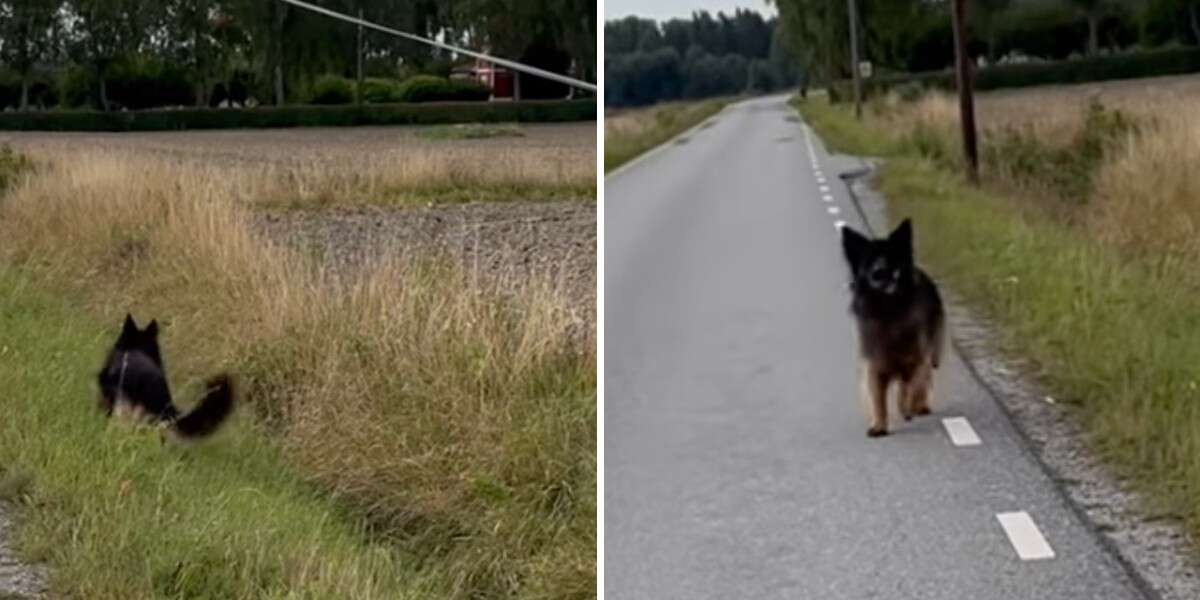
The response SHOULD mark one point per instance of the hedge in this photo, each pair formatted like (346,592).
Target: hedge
(331,89)
(430,88)
(303,116)
(1177,61)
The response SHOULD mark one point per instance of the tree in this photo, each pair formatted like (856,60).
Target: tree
(27,29)
(1095,11)
(190,26)
(105,30)
(1162,21)
(819,30)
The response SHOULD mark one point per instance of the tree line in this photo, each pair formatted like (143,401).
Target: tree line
(85,52)
(915,35)
(646,61)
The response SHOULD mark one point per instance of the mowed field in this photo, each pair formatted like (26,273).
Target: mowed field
(408,312)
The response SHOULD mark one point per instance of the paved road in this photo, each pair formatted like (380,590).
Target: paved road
(737,464)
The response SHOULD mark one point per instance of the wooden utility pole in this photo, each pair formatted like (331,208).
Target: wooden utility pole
(852,10)
(966,99)
(358,90)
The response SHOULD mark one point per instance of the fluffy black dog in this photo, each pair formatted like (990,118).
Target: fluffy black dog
(133,385)
(901,322)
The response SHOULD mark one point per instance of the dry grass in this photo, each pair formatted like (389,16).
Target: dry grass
(458,421)
(321,167)
(630,132)
(1113,159)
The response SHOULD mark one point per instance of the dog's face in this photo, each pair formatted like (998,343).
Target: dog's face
(883,266)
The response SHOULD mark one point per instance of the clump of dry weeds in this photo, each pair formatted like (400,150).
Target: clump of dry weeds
(459,421)
(1114,159)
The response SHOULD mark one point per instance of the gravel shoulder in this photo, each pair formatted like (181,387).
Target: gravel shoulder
(1156,548)
(18,580)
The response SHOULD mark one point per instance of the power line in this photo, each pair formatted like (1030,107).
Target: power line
(516,66)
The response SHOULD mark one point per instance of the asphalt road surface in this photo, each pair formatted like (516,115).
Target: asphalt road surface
(737,464)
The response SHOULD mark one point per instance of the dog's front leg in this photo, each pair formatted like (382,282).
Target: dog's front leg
(874,390)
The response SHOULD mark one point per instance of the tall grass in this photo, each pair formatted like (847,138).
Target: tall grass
(631,132)
(454,422)
(1113,161)
(308,177)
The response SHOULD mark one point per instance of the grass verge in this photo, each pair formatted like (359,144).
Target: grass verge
(1112,333)
(630,133)
(118,515)
(839,130)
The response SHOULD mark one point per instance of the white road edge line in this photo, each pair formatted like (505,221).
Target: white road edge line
(1025,536)
(960,431)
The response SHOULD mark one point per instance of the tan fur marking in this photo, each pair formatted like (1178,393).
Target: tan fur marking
(921,387)
(874,391)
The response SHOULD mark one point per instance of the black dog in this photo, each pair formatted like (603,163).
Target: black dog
(901,322)
(133,385)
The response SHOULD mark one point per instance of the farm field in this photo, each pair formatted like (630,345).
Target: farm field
(409,314)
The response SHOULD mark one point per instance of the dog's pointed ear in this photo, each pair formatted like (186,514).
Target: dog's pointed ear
(152,328)
(130,327)
(854,244)
(902,239)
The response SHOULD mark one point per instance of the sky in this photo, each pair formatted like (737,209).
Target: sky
(666,9)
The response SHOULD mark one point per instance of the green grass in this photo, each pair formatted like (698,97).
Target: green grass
(116,514)
(471,131)
(840,131)
(11,166)
(652,126)
(1114,335)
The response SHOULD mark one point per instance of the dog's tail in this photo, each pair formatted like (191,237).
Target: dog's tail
(212,410)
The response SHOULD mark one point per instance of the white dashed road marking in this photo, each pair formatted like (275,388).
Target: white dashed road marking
(833,210)
(824,189)
(961,432)
(1025,536)
(839,224)
(827,198)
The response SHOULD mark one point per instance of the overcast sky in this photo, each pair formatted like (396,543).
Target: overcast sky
(666,9)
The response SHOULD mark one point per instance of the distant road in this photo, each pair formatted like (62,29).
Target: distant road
(736,460)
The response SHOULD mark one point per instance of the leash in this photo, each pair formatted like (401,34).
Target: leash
(124,365)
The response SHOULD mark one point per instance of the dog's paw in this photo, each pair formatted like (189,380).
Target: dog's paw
(875,432)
